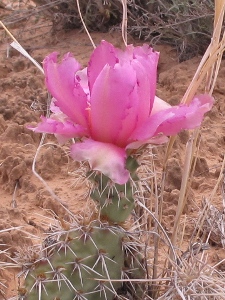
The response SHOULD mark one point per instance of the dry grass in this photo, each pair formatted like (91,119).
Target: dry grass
(172,274)
(178,23)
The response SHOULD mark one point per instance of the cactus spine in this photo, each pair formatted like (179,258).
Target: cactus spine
(84,262)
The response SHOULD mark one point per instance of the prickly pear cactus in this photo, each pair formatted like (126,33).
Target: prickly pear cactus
(115,202)
(88,261)
(79,266)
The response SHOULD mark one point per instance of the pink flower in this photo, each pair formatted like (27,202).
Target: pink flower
(111,106)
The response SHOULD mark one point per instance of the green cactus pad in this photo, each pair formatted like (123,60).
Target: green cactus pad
(81,266)
(115,201)
(83,262)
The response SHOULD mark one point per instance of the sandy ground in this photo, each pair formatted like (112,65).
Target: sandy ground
(25,202)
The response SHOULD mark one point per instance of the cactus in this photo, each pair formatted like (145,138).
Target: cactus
(115,201)
(87,262)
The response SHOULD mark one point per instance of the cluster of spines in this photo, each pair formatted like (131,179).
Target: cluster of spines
(89,262)
(83,263)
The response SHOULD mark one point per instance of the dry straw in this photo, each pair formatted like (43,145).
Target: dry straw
(174,271)
(206,74)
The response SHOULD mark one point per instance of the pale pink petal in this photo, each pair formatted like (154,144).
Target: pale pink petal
(144,60)
(149,60)
(156,140)
(54,108)
(149,128)
(65,88)
(172,120)
(145,94)
(126,55)
(106,158)
(159,105)
(114,98)
(129,122)
(82,78)
(103,55)
(187,117)
(65,128)
(144,51)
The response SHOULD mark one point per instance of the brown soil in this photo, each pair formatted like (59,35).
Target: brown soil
(25,201)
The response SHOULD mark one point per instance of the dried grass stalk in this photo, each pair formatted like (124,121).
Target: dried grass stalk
(206,73)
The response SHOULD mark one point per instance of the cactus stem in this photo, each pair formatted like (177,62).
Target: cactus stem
(110,191)
(22,293)
(125,274)
(102,288)
(79,296)
(101,181)
(125,190)
(102,256)
(103,190)
(88,258)
(79,266)
(39,284)
(93,173)
(59,277)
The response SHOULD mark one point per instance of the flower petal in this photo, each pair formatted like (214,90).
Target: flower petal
(155,140)
(106,158)
(187,117)
(172,120)
(145,94)
(82,78)
(148,58)
(144,61)
(63,130)
(103,55)
(65,88)
(159,105)
(114,98)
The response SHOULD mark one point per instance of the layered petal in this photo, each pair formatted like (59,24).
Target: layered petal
(148,58)
(159,105)
(144,61)
(63,130)
(155,140)
(106,158)
(65,88)
(186,117)
(144,91)
(126,55)
(114,99)
(82,78)
(111,105)
(103,55)
(172,120)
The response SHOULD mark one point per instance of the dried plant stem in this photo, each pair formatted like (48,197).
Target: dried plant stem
(187,167)
(201,220)
(124,21)
(156,236)
(208,66)
(211,56)
(8,32)
(85,27)
(14,203)
(195,150)
(16,45)
(37,175)
(220,178)
(54,196)
(174,256)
